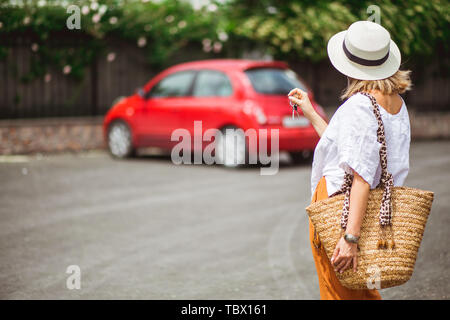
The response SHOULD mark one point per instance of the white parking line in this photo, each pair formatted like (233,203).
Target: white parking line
(14,159)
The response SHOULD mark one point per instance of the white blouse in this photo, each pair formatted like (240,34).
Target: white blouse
(350,141)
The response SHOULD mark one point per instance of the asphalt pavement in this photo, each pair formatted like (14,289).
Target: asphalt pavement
(148,229)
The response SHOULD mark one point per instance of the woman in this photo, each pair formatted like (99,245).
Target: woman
(371,60)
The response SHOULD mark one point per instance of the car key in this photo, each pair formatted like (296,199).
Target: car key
(294,110)
(295,106)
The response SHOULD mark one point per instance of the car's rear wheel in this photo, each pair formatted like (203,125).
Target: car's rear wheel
(120,142)
(231,147)
(301,157)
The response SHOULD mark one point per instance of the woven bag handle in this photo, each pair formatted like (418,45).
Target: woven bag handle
(386,179)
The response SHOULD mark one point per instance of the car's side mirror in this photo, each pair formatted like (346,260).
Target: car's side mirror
(141,93)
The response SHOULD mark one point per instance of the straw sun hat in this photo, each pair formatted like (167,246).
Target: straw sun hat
(365,51)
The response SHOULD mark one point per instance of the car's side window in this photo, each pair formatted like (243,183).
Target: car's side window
(274,80)
(211,83)
(174,85)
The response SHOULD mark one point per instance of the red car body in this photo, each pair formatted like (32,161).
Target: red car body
(152,120)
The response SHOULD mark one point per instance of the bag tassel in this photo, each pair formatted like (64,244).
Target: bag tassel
(385,233)
(392,242)
(382,242)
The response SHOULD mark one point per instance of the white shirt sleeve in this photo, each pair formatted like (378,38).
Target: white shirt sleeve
(356,138)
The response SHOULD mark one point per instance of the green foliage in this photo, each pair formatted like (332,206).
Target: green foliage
(287,29)
(160,29)
(302,28)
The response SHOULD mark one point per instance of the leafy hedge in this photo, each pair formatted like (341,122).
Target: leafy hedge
(287,29)
(160,29)
(302,28)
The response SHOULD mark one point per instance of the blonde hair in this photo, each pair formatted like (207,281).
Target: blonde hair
(400,82)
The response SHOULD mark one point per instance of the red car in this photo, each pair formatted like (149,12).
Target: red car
(222,93)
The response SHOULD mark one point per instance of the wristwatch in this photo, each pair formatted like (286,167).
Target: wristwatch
(351,238)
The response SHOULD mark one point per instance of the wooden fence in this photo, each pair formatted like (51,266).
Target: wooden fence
(431,85)
(61,96)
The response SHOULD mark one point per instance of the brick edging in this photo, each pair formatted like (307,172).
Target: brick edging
(77,134)
(26,136)
(40,122)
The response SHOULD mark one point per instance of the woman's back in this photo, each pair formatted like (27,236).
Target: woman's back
(390,103)
(350,141)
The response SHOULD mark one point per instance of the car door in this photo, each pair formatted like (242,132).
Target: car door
(211,93)
(161,115)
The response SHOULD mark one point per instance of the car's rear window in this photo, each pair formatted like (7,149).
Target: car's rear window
(274,81)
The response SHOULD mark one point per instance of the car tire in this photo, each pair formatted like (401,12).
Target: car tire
(119,139)
(301,157)
(229,152)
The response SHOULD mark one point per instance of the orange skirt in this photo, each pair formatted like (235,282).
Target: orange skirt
(329,285)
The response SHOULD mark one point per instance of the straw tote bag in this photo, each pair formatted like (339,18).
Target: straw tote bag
(391,230)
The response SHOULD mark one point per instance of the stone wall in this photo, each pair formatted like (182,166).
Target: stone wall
(77,134)
(50,135)
(430,125)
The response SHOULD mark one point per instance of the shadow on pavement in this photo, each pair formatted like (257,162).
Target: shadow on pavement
(286,161)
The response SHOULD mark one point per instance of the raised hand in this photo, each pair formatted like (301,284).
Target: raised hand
(301,99)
